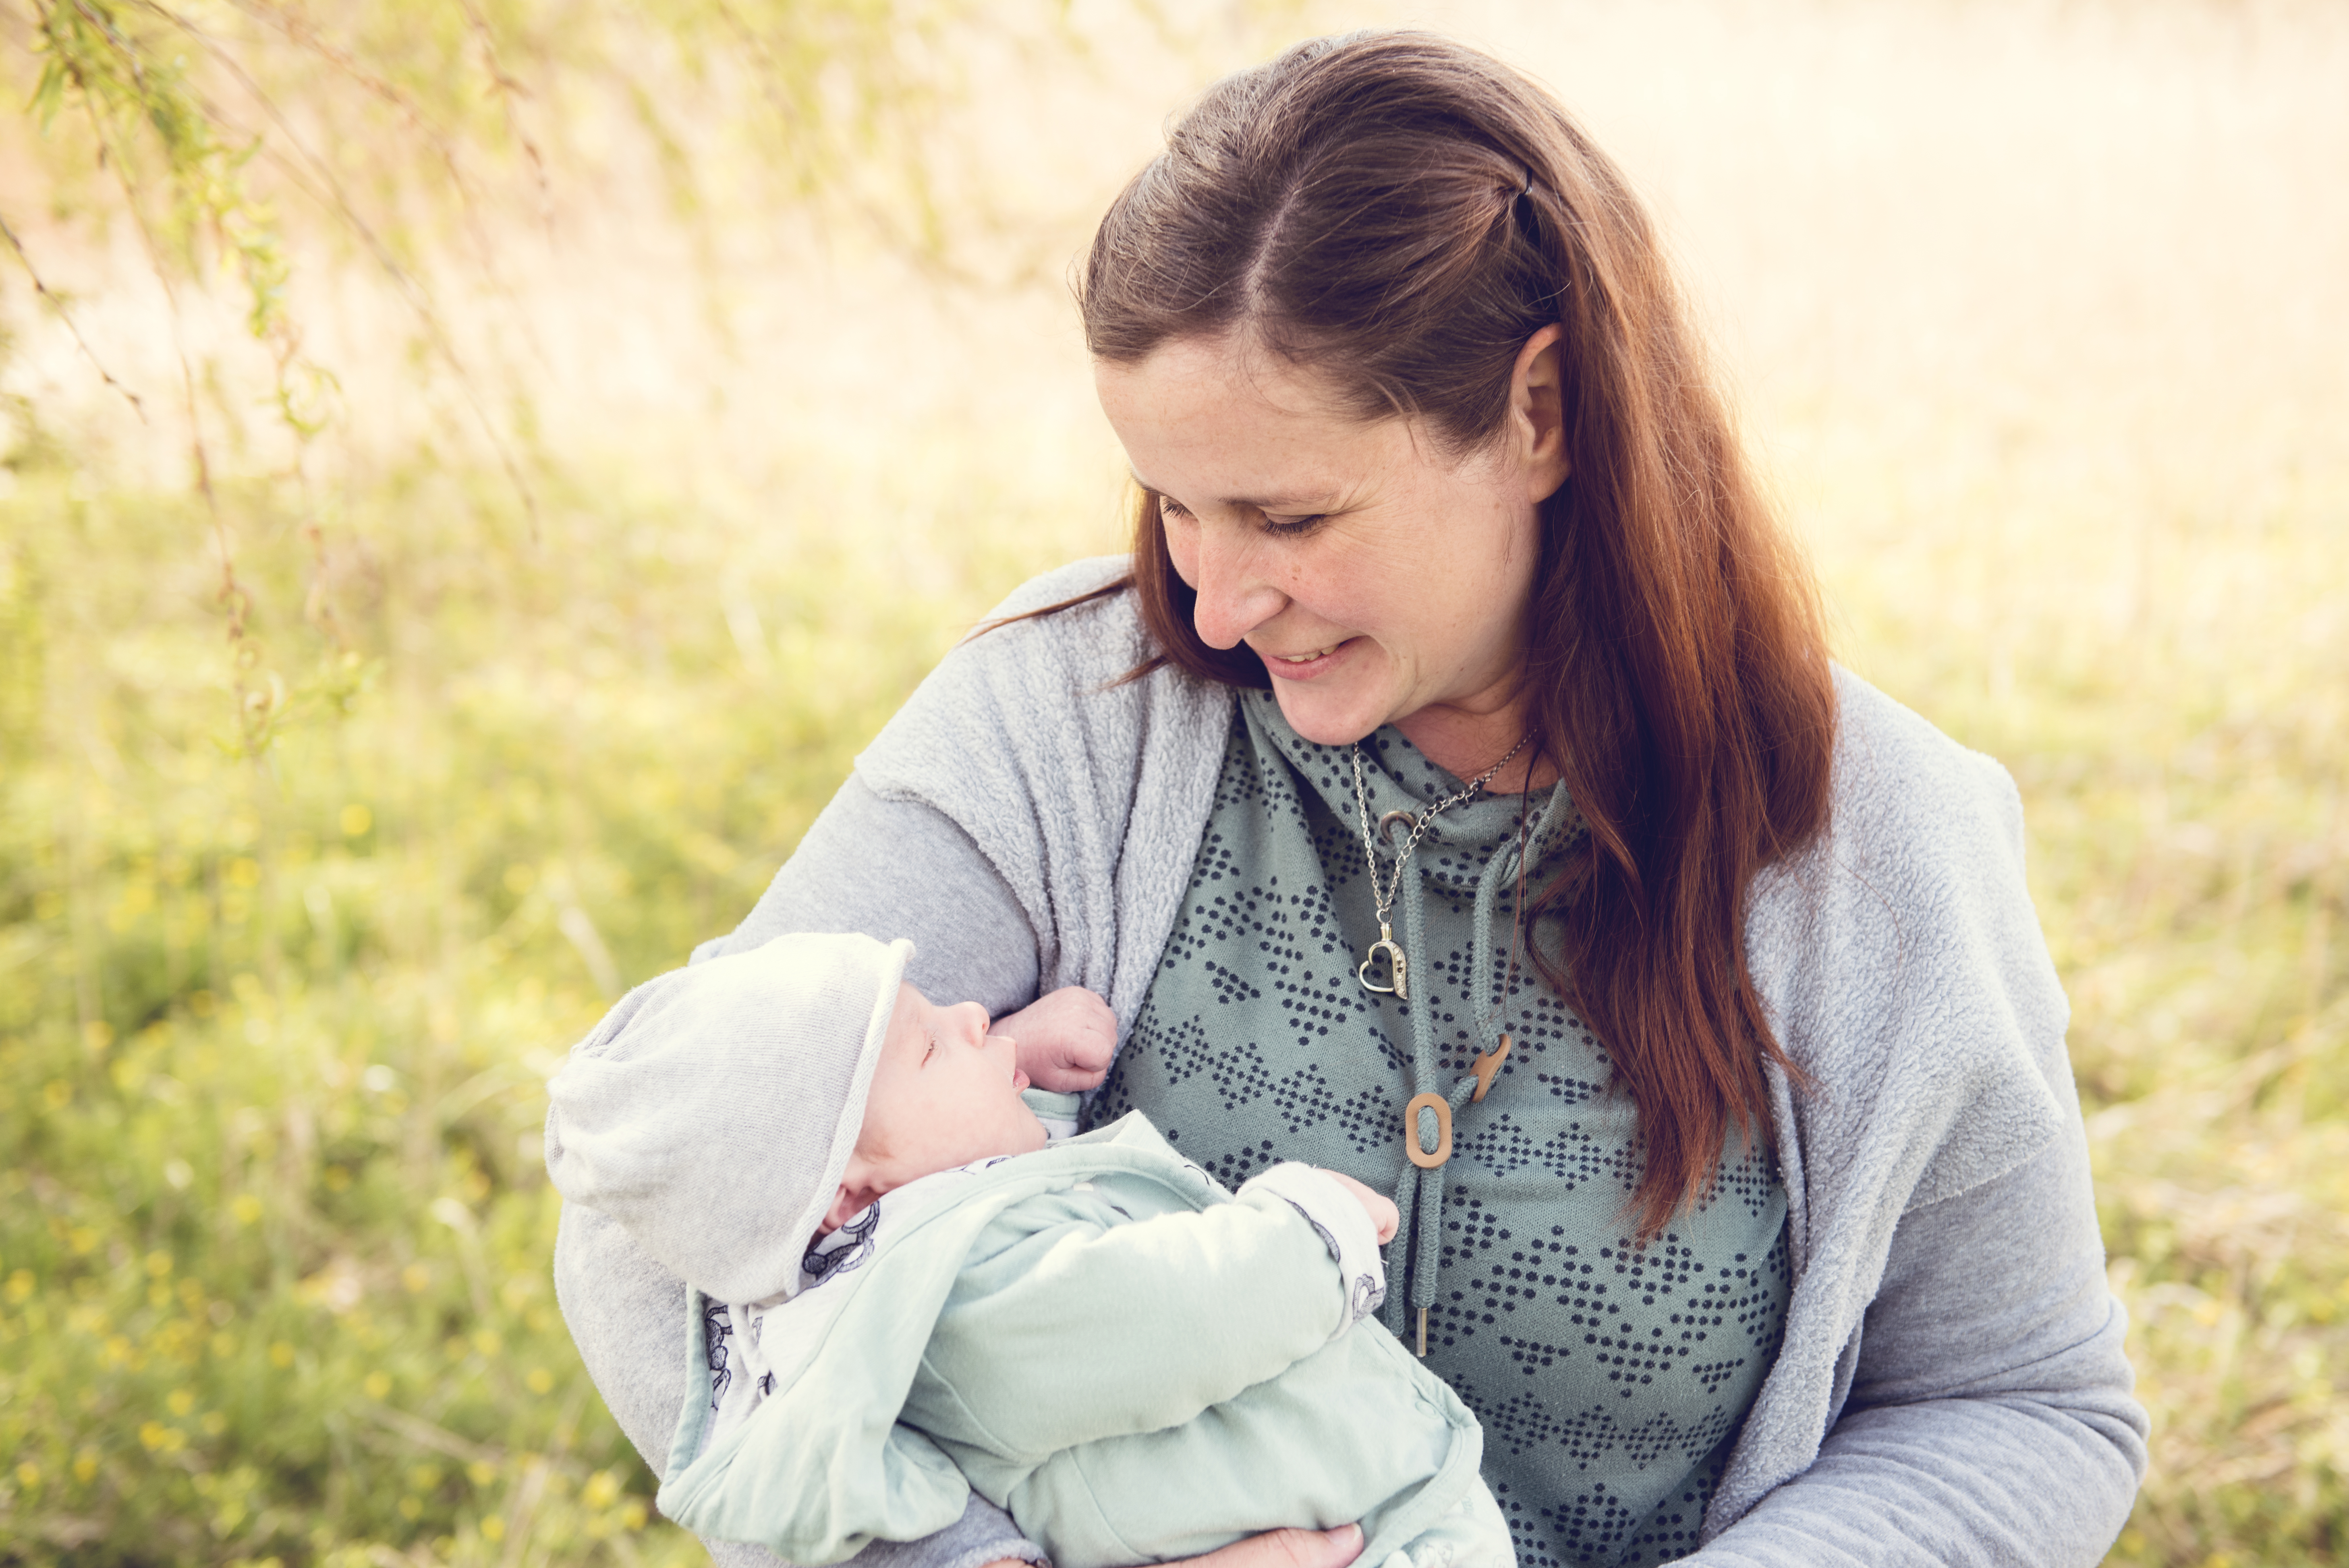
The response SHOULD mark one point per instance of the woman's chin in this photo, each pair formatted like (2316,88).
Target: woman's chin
(1327,717)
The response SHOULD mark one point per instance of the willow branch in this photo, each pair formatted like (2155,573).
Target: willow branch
(65,315)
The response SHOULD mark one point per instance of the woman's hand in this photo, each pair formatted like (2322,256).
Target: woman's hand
(1274,1549)
(1065,1040)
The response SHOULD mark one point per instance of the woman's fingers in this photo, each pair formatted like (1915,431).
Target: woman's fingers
(1274,1549)
(1286,1549)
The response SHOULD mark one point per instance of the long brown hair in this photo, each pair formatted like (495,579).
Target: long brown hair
(1401,213)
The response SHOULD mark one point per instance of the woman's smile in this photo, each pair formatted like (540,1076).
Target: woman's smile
(1306,666)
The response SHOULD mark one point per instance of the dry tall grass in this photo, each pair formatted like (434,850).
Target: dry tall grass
(2040,313)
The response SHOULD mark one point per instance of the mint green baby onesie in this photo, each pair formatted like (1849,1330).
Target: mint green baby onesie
(1097,1338)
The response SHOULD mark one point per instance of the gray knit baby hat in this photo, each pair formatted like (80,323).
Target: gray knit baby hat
(713,1111)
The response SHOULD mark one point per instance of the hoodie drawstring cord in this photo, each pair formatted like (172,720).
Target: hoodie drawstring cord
(1419,1194)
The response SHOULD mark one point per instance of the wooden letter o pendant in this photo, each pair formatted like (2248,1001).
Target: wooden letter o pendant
(1443,1109)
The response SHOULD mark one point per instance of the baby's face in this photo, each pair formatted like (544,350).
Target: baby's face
(946,1092)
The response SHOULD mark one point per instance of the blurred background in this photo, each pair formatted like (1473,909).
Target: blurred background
(477,471)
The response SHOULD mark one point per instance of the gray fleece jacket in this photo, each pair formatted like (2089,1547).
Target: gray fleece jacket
(1951,1387)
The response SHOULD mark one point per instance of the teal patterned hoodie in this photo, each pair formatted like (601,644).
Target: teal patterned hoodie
(1610,1379)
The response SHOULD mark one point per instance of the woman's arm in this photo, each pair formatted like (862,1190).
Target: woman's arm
(1951,1387)
(893,868)
(1273,1549)
(887,869)
(1026,819)
(1989,1419)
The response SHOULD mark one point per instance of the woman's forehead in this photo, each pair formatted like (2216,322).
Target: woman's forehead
(1220,370)
(1212,425)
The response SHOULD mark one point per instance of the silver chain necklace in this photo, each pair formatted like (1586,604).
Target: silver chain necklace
(1384,897)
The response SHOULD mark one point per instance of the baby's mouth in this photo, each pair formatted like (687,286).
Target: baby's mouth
(1018,1081)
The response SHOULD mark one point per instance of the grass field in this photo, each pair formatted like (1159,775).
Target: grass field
(2041,315)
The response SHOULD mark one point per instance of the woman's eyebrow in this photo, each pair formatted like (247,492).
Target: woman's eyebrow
(1261,503)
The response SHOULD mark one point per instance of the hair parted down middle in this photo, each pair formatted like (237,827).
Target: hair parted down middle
(1399,213)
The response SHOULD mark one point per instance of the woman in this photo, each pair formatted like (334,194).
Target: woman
(1452,790)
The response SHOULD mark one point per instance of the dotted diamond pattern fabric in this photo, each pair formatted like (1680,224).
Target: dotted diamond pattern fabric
(1610,1380)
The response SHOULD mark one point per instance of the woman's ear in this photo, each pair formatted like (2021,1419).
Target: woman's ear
(1537,412)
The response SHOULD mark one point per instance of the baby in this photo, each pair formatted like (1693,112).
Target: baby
(901,1294)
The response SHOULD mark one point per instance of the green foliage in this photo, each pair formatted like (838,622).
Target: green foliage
(121,71)
(385,124)
(234,139)
(274,1230)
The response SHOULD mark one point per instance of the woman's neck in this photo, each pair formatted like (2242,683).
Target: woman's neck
(1464,743)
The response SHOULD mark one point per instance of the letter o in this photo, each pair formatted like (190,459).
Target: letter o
(1443,1109)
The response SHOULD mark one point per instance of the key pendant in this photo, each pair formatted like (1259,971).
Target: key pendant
(1386,942)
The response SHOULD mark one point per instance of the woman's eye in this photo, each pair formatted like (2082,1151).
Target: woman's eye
(1173,510)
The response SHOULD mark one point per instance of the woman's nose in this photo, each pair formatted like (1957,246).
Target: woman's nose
(1233,601)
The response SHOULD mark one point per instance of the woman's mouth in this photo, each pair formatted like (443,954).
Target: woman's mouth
(1304,663)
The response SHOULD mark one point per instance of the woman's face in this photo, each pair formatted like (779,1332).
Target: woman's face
(1379,581)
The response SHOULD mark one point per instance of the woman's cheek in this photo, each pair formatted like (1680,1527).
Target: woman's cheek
(1182,538)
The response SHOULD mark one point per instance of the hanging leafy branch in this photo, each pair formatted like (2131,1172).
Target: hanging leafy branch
(226,130)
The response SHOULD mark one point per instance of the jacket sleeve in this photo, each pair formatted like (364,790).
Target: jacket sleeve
(1954,1386)
(892,867)
(1147,1322)
(888,869)
(1989,1419)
